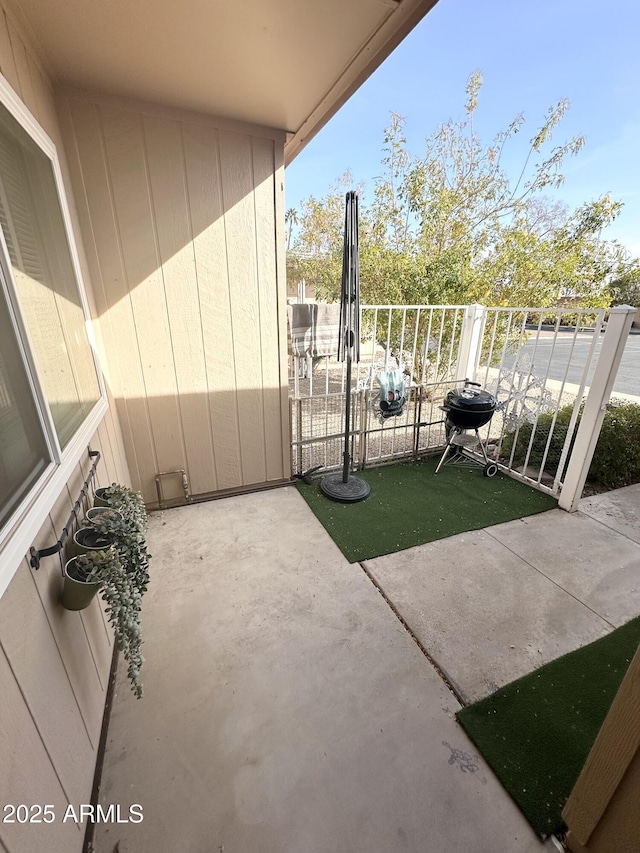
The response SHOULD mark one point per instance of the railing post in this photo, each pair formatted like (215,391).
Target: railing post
(471,341)
(613,343)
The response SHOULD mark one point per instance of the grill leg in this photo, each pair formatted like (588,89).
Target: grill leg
(452,435)
(482,448)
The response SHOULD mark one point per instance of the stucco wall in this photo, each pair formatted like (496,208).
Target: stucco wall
(54,664)
(183,220)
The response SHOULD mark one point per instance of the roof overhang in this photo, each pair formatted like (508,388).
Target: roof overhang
(284,64)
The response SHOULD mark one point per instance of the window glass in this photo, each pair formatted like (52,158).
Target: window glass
(23,449)
(45,281)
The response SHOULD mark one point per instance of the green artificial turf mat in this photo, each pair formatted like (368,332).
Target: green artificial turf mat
(536,732)
(410,505)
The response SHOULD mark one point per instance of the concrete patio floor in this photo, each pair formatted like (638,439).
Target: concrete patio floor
(288,710)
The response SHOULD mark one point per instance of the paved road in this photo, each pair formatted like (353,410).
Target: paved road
(568,358)
(628,378)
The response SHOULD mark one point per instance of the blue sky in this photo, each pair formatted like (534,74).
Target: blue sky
(530,55)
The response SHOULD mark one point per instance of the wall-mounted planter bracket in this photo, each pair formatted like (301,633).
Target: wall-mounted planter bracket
(36,555)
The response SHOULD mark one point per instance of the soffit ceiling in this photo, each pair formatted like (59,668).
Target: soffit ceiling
(285,64)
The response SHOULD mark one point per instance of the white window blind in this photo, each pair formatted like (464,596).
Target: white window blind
(51,398)
(44,278)
(23,448)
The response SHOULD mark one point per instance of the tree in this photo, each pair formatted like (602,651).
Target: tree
(453,227)
(625,290)
(290,219)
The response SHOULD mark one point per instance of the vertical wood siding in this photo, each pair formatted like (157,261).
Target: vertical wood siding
(603,811)
(181,216)
(54,664)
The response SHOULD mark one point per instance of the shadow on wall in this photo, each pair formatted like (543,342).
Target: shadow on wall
(224,439)
(183,226)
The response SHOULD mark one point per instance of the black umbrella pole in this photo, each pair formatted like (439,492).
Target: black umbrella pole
(347,425)
(343,487)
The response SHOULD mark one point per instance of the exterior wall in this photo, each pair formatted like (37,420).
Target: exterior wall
(183,220)
(54,664)
(603,811)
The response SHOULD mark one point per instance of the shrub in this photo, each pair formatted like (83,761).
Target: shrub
(616,460)
(539,444)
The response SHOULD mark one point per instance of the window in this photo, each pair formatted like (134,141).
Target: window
(23,449)
(45,282)
(50,393)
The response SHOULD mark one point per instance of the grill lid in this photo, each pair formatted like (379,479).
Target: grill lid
(470,399)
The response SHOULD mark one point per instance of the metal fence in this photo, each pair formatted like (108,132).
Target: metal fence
(424,342)
(538,362)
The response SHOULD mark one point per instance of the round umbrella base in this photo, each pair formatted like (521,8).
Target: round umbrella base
(352,491)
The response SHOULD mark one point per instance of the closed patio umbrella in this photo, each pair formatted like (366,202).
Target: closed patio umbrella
(343,486)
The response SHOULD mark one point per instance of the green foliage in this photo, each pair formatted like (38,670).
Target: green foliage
(539,451)
(129,503)
(567,319)
(130,544)
(616,460)
(290,219)
(123,598)
(452,227)
(625,290)
(123,571)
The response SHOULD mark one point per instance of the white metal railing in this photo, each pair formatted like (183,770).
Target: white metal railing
(606,369)
(538,362)
(538,368)
(424,338)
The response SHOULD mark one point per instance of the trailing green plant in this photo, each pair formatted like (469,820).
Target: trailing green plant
(123,569)
(128,502)
(616,459)
(97,512)
(130,543)
(123,598)
(128,531)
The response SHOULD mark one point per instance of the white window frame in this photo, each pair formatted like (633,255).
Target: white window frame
(20,530)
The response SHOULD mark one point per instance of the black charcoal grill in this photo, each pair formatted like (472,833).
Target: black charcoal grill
(467,409)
